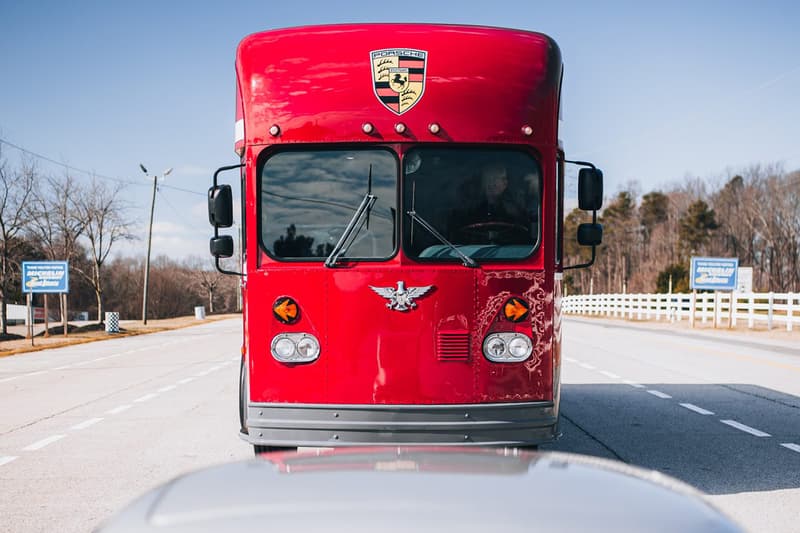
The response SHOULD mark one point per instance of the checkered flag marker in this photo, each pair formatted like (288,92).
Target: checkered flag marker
(112,322)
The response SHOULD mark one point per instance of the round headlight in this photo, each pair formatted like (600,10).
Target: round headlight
(520,347)
(283,348)
(308,348)
(494,347)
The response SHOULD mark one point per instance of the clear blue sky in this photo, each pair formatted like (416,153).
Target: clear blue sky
(653,91)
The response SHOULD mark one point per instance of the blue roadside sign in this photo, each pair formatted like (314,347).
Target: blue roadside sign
(713,273)
(45,276)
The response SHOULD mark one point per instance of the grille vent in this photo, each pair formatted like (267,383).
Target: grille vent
(453,346)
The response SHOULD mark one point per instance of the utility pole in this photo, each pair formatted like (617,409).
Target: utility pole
(149,241)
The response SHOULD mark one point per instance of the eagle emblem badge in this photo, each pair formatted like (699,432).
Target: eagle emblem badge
(398,77)
(401,299)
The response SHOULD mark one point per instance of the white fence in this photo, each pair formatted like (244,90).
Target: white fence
(720,309)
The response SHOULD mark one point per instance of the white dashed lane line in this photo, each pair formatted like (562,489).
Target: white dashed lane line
(117,410)
(4,460)
(633,384)
(689,406)
(42,443)
(145,398)
(86,423)
(746,429)
(698,410)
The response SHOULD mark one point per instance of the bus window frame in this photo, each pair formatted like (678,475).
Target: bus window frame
(271,150)
(526,149)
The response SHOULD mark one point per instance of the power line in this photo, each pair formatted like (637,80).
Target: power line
(89,173)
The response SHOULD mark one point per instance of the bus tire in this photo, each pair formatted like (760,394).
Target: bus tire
(258,449)
(243,386)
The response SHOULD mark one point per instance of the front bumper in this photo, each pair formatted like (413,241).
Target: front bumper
(498,424)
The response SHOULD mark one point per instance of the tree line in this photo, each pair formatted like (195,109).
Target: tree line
(60,218)
(648,240)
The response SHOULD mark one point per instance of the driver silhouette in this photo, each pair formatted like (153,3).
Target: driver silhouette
(494,214)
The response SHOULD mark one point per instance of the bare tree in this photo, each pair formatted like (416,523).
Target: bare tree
(103,212)
(56,222)
(15,189)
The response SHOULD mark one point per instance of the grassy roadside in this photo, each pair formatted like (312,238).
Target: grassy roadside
(92,333)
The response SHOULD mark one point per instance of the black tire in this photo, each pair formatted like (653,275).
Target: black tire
(243,386)
(258,449)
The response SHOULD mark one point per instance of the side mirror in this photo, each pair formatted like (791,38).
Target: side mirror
(221,246)
(220,206)
(590,234)
(590,189)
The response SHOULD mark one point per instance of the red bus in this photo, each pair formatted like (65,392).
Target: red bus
(402,198)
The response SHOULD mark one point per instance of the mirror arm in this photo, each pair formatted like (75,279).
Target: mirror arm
(581,163)
(216,229)
(594,250)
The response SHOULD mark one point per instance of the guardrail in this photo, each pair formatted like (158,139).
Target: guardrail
(723,309)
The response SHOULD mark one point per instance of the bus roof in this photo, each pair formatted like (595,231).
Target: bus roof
(324,83)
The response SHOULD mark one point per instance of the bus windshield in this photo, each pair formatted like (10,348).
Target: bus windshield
(310,197)
(484,202)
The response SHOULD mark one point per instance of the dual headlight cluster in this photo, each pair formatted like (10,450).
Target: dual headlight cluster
(498,347)
(507,347)
(295,347)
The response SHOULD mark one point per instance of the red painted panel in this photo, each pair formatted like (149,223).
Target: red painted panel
(480,84)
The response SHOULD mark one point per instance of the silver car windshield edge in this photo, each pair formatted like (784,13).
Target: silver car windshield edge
(340,248)
(465,259)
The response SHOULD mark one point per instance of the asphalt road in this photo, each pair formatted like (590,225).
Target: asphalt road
(85,429)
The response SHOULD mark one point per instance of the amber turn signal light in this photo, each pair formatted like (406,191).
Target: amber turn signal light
(286,310)
(515,309)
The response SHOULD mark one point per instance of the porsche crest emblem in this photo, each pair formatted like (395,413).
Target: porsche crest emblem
(398,76)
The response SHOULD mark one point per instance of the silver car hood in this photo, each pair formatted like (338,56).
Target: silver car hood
(422,489)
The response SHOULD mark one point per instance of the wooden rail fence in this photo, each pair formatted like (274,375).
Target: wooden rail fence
(722,309)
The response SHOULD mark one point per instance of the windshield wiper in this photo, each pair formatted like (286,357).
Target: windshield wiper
(465,259)
(351,230)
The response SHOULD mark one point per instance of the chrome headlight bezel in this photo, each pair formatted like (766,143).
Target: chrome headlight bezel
(297,355)
(505,340)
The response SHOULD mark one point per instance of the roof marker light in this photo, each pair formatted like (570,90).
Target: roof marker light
(527,130)
(400,128)
(367,128)
(274,130)
(434,128)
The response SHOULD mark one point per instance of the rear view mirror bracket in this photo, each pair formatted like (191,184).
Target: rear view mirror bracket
(590,198)
(220,215)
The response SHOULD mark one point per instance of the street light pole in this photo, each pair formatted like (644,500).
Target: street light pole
(149,241)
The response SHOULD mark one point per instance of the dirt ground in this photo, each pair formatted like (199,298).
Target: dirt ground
(87,332)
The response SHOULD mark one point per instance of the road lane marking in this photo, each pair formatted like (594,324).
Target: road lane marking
(119,409)
(696,409)
(184,381)
(12,378)
(145,398)
(4,460)
(659,394)
(609,374)
(86,423)
(167,388)
(633,384)
(42,443)
(62,367)
(570,360)
(746,429)
(587,366)
(792,446)
(35,373)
